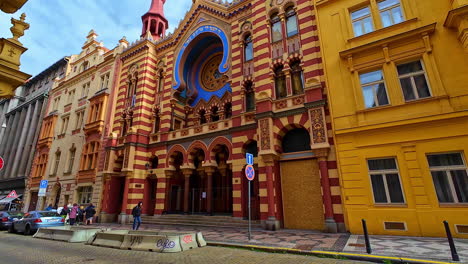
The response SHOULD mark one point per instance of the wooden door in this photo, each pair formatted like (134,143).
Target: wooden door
(302,195)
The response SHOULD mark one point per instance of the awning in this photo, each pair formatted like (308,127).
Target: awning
(8,200)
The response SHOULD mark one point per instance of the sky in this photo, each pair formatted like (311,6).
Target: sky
(59,27)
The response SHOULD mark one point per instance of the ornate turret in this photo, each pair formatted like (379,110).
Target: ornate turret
(154,20)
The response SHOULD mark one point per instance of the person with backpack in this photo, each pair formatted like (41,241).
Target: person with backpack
(64,212)
(136,212)
(74,213)
(89,213)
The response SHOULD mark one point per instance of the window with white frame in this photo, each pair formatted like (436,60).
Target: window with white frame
(65,121)
(85,195)
(413,80)
(385,179)
(373,89)
(390,12)
(79,119)
(449,174)
(362,21)
(57,162)
(71,159)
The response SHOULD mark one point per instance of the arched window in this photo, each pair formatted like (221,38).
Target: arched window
(252,148)
(124,125)
(280,82)
(249,97)
(228,110)
(214,114)
(295,140)
(297,79)
(202,114)
(248,48)
(154,162)
(161,81)
(291,22)
(84,66)
(276,32)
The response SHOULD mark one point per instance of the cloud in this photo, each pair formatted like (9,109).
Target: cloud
(59,27)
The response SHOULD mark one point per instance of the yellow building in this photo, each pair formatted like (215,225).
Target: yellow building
(398,89)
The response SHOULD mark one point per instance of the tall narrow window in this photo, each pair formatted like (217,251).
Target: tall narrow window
(248,48)
(362,21)
(214,114)
(249,97)
(228,110)
(450,177)
(413,80)
(385,181)
(276,32)
(161,82)
(157,122)
(390,12)
(373,89)
(65,121)
(297,79)
(57,162)
(71,159)
(280,83)
(202,114)
(291,22)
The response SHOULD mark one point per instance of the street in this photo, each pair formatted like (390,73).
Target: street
(16,248)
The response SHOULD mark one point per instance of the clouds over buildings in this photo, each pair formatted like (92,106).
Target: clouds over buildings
(59,27)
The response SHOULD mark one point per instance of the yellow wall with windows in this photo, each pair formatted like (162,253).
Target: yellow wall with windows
(405,130)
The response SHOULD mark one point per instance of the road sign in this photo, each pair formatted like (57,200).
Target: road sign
(1,163)
(249,172)
(249,158)
(12,194)
(43,188)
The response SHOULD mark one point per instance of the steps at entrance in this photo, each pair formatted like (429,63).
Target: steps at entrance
(199,221)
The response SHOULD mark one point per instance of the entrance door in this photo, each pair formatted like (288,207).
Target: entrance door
(33,202)
(176,199)
(302,195)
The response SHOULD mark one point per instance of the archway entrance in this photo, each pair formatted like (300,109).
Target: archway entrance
(300,183)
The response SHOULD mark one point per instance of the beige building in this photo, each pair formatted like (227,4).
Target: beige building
(62,151)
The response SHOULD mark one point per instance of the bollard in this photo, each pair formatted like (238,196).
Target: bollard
(453,250)
(366,237)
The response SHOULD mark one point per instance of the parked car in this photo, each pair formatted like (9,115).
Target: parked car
(34,220)
(6,218)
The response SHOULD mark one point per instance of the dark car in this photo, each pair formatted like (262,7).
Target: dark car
(6,218)
(34,220)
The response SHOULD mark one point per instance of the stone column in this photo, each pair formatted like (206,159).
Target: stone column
(327,198)
(22,139)
(123,210)
(271,223)
(9,148)
(209,189)
(29,146)
(187,173)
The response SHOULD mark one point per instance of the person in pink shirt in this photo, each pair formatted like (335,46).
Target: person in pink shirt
(73,214)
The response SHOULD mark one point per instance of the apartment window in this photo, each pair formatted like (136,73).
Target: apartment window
(85,194)
(90,155)
(297,79)
(79,119)
(65,121)
(57,162)
(249,97)
(413,80)
(41,165)
(71,95)
(276,32)
(85,89)
(248,48)
(56,103)
(373,89)
(390,12)
(291,22)
(105,81)
(449,174)
(385,181)
(71,159)
(362,21)
(280,83)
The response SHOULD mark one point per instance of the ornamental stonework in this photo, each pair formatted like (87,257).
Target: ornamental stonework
(265,134)
(318,125)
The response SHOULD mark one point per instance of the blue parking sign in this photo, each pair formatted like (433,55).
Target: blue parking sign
(249,158)
(44,184)
(43,188)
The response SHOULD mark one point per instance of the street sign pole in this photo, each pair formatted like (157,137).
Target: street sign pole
(250,227)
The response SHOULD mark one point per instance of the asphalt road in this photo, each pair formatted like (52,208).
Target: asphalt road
(16,248)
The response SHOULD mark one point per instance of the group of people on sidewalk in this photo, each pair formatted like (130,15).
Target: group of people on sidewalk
(74,214)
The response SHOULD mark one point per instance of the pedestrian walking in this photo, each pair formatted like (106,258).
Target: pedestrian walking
(136,212)
(74,213)
(64,212)
(90,211)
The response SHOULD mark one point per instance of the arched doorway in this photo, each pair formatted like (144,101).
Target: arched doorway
(176,185)
(198,185)
(300,183)
(251,148)
(150,186)
(222,182)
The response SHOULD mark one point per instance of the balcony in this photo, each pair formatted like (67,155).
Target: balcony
(45,142)
(94,127)
(86,176)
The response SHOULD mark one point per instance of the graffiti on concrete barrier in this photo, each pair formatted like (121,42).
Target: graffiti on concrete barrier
(165,243)
(187,239)
(135,240)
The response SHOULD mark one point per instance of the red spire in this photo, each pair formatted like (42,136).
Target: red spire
(154,20)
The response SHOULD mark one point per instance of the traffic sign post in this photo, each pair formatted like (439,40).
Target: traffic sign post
(2,163)
(250,175)
(43,188)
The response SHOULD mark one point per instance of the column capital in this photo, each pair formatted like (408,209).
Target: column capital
(209,170)
(322,153)
(269,159)
(187,172)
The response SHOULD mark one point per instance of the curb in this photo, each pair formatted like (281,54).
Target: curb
(330,254)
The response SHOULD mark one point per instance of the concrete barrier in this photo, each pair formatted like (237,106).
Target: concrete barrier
(69,234)
(201,240)
(147,240)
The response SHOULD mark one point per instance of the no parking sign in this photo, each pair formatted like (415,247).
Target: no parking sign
(249,172)
(1,163)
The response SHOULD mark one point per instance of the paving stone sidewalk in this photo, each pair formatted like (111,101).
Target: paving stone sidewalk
(394,246)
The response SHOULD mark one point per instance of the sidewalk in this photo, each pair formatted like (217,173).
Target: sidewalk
(436,249)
